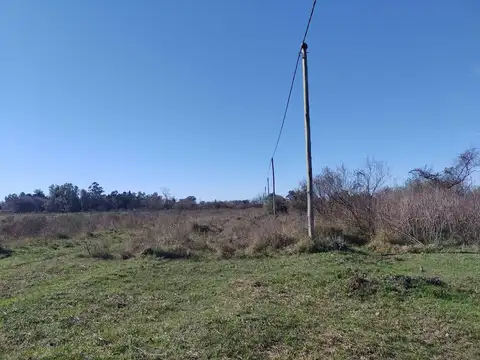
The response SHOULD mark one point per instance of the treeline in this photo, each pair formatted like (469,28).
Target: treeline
(70,198)
(431,207)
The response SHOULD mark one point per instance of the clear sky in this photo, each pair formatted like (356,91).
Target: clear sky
(189,94)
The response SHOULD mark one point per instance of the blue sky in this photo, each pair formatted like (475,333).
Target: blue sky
(189,95)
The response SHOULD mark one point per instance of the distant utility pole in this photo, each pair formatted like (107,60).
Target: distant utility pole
(268,186)
(273,186)
(311,221)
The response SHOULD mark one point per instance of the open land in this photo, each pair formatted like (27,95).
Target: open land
(225,285)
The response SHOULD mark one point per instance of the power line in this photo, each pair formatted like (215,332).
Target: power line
(286,107)
(293,82)
(309,22)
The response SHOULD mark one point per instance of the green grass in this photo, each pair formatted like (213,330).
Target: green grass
(55,304)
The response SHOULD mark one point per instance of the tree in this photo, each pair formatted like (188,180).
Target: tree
(63,198)
(457,176)
(169,199)
(85,202)
(95,190)
(297,198)
(259,200)
(280,204)
(39,193)
(155,202)
(11,203)
(96,197)
(354,192)
(54,199)
(189,202)
(23,203)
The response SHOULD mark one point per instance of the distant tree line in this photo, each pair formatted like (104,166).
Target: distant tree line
(70,198)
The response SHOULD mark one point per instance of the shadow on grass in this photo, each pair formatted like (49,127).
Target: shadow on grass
(101,255)
(165,254)
(61,236)
(4,252)
(321,245)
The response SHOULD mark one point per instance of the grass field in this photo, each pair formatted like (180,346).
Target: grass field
(58,303)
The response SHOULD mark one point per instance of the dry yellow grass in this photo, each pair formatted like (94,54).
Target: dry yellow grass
(226,233)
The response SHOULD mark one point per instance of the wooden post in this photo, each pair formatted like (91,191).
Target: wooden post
(308,144)
(273,186)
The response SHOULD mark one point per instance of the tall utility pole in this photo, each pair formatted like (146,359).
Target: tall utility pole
(273,186)
(311,221)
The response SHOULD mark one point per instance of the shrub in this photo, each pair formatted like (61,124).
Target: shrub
(98,249)
(329,243)
(271,242)
(281,204)
(431,216)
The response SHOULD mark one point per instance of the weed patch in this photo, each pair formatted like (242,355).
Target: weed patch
(361,286)
(98,249)
(204,229)
(271,243)
(325,244)
(402,283)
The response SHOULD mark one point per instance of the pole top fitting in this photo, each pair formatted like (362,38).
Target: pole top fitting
(304,46)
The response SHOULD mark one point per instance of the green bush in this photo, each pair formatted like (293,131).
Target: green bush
(281,204)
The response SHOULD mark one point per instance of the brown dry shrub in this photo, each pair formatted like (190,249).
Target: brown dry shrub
(430,216)
(170,232)
(226,234)
(271,242)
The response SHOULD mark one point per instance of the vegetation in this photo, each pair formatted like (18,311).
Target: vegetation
(56,303)
(390,272)
(68,198)
(441,208)
(431,207)
(281,204)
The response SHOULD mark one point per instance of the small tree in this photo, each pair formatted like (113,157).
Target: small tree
(353,192)
(281,205)
(259,199)
(297,198)
(169,199)
(457,176)
(39,193)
